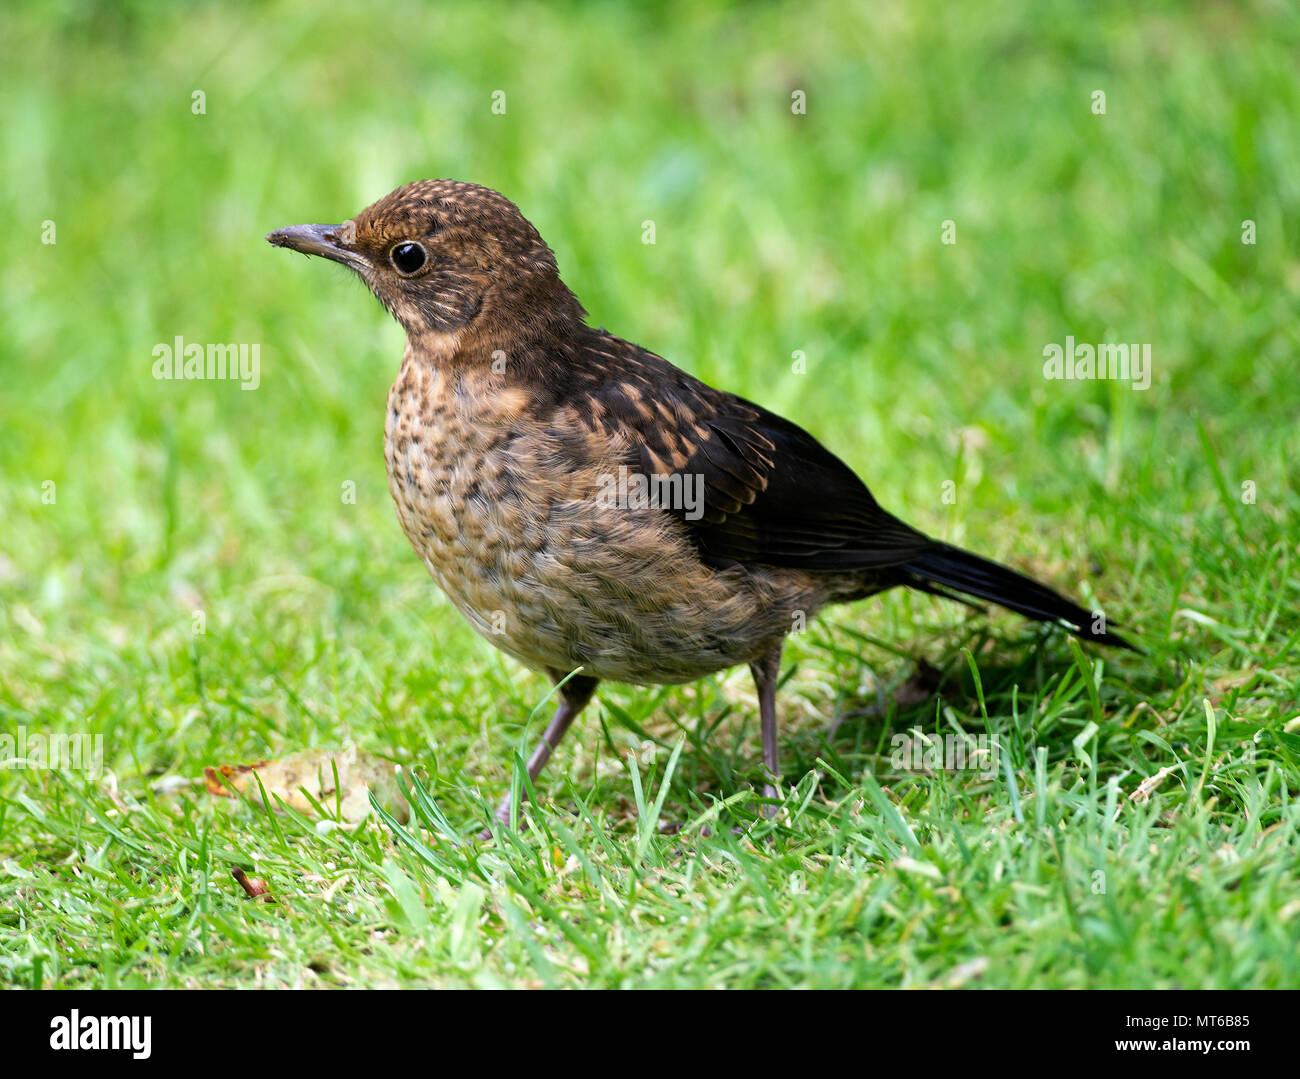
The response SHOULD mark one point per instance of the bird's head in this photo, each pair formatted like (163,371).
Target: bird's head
(446,257)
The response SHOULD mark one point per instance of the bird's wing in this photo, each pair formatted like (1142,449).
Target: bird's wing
(771,493)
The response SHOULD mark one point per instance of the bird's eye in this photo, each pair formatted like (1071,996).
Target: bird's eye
(409,258)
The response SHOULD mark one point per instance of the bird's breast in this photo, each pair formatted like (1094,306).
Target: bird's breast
(508,514)
(475,494)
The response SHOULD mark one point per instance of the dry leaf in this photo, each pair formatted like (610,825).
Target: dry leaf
(314,770)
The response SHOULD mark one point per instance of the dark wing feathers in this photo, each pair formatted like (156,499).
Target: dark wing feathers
(809,510)
(734,463)
(773,495)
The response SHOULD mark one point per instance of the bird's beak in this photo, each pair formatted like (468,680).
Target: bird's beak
(327,241)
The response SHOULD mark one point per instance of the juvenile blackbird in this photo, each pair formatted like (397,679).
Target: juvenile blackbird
(589,507)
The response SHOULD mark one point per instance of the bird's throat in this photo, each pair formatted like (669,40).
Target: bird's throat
(440,348)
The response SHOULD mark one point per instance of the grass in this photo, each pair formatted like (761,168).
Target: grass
(1141,828)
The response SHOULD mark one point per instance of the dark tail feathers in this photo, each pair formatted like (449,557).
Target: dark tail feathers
(945,567)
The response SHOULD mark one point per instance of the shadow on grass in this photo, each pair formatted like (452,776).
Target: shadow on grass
(1020,697)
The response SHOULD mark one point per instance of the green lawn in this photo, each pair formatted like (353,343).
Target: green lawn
(138,512)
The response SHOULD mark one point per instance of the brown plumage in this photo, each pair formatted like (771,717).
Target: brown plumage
(517,437)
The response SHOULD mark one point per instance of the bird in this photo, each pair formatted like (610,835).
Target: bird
(591,509)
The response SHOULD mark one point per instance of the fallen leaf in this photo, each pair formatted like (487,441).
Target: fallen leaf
(313,770)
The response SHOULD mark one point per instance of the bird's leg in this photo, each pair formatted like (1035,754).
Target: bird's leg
(766,670)
(574,695)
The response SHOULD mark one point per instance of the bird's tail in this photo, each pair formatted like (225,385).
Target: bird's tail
(944,569)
